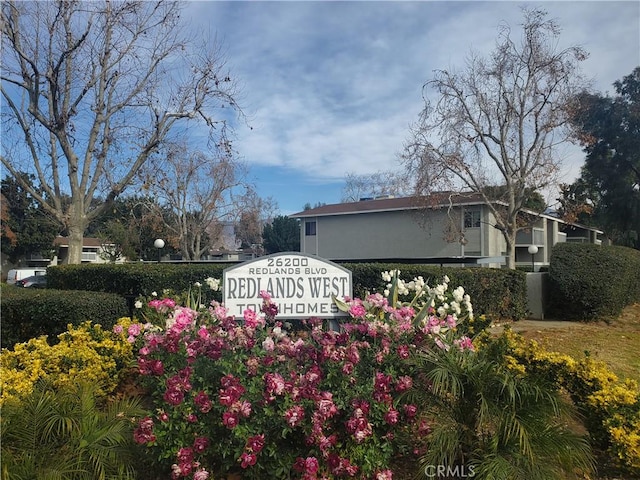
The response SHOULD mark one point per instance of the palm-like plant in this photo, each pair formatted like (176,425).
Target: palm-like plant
(66,435)
(493,422)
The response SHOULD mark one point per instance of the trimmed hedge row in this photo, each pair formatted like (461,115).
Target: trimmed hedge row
(104,293)
(494,292)
(589,281)
(135,279)
(29,313)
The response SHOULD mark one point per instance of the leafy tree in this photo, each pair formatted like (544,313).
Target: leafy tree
(27,228)
(609,184)
(130,227)
(92,90)
(281,235)
(498,121)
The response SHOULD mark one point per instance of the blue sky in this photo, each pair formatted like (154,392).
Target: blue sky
(331,88)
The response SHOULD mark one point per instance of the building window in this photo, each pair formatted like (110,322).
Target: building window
(472,219)
(309,228)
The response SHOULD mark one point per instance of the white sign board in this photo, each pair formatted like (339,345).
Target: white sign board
(302,286)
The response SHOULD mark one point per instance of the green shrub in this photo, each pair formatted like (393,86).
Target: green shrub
(610,407)
(494,292)
(54,433)
(591,281)
(136,279)
(28,313)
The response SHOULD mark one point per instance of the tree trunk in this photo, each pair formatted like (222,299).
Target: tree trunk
(510,238)
(76,236)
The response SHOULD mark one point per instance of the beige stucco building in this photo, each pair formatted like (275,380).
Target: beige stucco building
(455,229)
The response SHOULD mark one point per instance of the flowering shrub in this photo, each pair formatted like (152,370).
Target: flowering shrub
(250,395)
(611,408)
(86,352)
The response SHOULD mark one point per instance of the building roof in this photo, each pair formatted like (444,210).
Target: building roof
(86,242)
(386,204)
(436,200)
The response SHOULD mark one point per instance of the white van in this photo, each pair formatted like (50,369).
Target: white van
(17,274)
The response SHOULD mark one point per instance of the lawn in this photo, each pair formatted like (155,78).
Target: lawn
(616,343)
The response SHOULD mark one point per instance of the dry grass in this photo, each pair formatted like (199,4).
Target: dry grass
(617,343)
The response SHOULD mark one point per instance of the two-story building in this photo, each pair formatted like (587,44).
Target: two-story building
(452,229)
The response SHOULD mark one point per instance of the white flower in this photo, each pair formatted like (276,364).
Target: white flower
(458,294)
(445,279)
(402,288)
(386,276)
(455,306)
(138,304)
(154,294)
(197,284)
(214,284)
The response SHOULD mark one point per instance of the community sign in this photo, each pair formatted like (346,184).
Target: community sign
(301,285)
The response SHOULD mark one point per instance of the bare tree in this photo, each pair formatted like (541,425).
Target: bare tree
(374,185)
(497,124)
(92,89)
(256,213)
(198,193)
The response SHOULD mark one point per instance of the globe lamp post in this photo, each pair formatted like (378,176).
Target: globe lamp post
(159,244)
(533,250)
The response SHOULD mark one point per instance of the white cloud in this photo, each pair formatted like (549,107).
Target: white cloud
(331,87)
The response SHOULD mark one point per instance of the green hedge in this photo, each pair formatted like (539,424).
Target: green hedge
(494,292)
(590,282)
(29,313)
(135,279)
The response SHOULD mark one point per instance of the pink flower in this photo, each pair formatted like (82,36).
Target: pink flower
(404,383)
(265,295)
(392,416)
(230,419)
(410,411)
(204,334)
(200,474)
(384,475)
(185,455)
(357,310)
(464,343)
(144,431)
(134,329)
(274,383)
(118,329)
(268,344)
(248,459)
(307,466)
(203,402)
(200,444)
(255,444)
(250,318)
(173,396)
(403,351)
(192,418)
(294,415)
(450,321)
